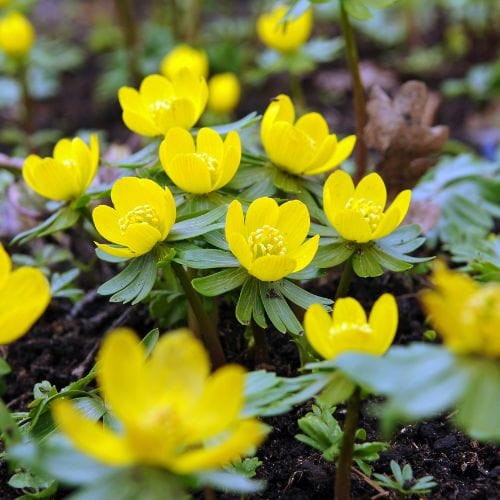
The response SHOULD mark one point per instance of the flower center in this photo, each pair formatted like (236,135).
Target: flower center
(350,328)
(211,163)
(371,211)
(69,163)
(159,108)
(266,240)
(140,214)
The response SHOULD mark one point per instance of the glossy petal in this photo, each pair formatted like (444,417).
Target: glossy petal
(342,152)
(372,187)
(193,88)
(348,310)
(262,211)
(293,223)
(231,159)
(322,156)
(141,238)
(272,267)
(177,141)
(280,109)
(352,226)
(141,124)
(210,142)
(313,125)
(190,173)
(124,252)
(156,88)
(240,248)
(338,189)
(317,324)
(304,254)
(384,321)
(5,266)
(131,192)
(235,222)
(106,222)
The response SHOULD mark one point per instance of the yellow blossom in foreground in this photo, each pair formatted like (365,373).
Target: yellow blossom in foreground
(24,296)
(142,216)
(465,313)
(173,412)
(269,241)
(162,103)
(224,91)
(16,34)
(347,330)
(204,167)
(304,146)
(184,56)
(284,36)
(68,173)
(358,213)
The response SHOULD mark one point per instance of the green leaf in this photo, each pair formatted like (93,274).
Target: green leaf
(206,258)
(365,262)
(333,254)
(249,295)
(230,482)
(122,279)
(34,485)
(302,297)
(141,158)
(196,226)
(221,282)
(338,390)
(8,427)
(286,182)
(5,368)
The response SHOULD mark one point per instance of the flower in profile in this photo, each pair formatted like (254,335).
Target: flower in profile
(204,167)
(284,36)
(142,216)
(184,56)
(302,147)
(465,313)
(24,296)
(358,214)
(172,412)
(17,35)
(162,103)
(347,329)
(269,241)
(224,91)
(68,173)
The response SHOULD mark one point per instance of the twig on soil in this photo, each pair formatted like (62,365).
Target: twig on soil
(373,484)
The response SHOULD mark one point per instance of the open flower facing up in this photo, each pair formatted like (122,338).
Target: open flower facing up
(224,91)
(284,36)
(358,214)
(302,147)
(465,313)
(172,412)
(68,173)
(184,56)
(204,167)
(24,296)
(16,34)
(162,103)
(142,216)
(347,329)
(269,241)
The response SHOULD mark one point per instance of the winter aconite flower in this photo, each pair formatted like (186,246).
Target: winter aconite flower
(172,412)
(16,34)
(162,103)
(204,167)
(184,56)
(269,241)
(304,146)
(224,91)
(284,35)
(68,173)
(347,330)
(465,313)
(24,296)
(357,213)
(142,216)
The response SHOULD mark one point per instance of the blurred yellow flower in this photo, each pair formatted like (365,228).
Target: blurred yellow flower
(24,296)
(203,168)
(224,91)
(358,213)
(269,241)
(465,313)
(17,34)
(184,56)
(68,173)
(303,147)
(162,103)
(143,215)
(347,329)
(172,412)
(284,36)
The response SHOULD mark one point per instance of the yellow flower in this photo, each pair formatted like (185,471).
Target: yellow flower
(162,103)
(184,56)
(67,174)
(24,296)
(465,313)
(358,213)
(143,215)
(173,412)
(285,36)
(224,91)
(269,241)
(302,147)
(347,329)
(203,168)
(16,34)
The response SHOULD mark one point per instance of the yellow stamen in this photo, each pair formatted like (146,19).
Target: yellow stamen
(350,328)
(211,163)
(371,211)
(140,214)
(266,240)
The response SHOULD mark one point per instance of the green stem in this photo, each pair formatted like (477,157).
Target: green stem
(261,352)
(207,327)
(343,473)
(361,154)
(345,279)
(126,15)
(297,91)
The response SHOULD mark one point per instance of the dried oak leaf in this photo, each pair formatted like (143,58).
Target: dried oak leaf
(400,130)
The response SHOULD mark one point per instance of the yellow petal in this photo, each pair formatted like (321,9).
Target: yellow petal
(141,238)
(24,296)
(5,265)
(280,109)
(342,152)
(372,187)
(240,249)
(181,113)
(230,160)
(384,322)
(272,267)
(337,191)
(90,437)
(234,220)
(262,211)
(123,252)
(130,192)
(293,223)
(322,155)
(177,141)
(141,124)
(304,254)
(94,151)
(131,100)
(317,324)
(394,215)
(156,88)
(348,310)
(106,221)
(192,87)
(63,150)
(190,173)
(314,125)
(210,142)
(352,226)
(402,203)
